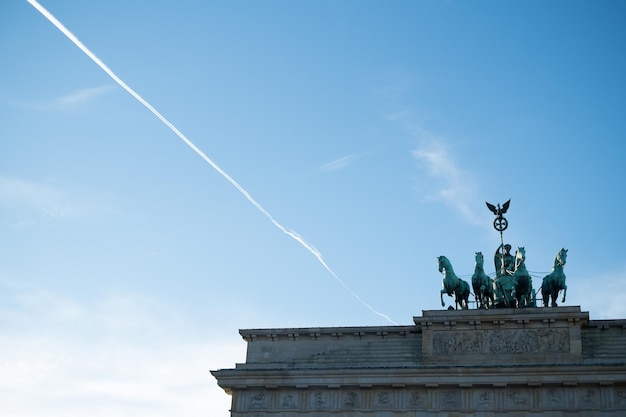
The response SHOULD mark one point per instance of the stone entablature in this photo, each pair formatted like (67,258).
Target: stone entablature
(466,362)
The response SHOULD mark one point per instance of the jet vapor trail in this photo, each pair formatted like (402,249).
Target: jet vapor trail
(247,195)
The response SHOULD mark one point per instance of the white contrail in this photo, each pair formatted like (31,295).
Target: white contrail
(106,69)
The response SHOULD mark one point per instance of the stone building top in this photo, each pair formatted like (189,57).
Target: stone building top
(497,361)
(498,337)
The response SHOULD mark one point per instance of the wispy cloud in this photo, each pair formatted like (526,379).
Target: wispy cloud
(33,202)
(62,357)
(43,376)
(448,181)
(442,177)
(30,196)
(396,85)
(343,162)
(71,101)
(83,96)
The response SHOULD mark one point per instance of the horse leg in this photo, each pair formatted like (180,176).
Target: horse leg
(441,297)
(545,295)
(459,299)
(555,296)
(564,292)
(483,299)
(477,296)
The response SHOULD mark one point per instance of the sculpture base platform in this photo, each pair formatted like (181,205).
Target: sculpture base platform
(502,336)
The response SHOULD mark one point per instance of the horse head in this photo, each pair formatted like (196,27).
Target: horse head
(520,257)
(561,258)
(443,263)
(480,259)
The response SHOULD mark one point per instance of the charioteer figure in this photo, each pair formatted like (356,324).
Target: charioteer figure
(503,261)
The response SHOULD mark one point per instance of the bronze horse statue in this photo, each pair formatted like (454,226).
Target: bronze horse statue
(555,281)
(523,282)
(453,284)
(482,284)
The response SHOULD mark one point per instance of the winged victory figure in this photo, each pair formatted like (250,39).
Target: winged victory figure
(499,211)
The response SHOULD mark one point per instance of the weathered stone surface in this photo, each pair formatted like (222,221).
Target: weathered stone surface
(502,336)
(450,363)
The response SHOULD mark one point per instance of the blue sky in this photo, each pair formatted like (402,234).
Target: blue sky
(376,131)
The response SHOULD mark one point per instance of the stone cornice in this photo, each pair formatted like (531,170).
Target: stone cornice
(316,333)
(422,376)
(497,318)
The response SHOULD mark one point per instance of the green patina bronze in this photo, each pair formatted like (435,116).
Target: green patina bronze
(555,281)
(512,286)
(523,287)
(514,290)
(503,261)
(482,284)
(453,284)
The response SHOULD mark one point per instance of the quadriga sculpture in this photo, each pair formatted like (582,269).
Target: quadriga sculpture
(555,281)
(482,284)
(453,284)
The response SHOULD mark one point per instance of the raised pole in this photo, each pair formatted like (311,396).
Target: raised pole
(500,224)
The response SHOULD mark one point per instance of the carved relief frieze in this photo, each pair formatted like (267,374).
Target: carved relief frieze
(484,400)
(259,401)
(530,341)
(553,398)
(351,400)
(383,399)
(289,400)
(320,400)
(512,398)
(450,399)
(417,399)
(589,398)
(517,399)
